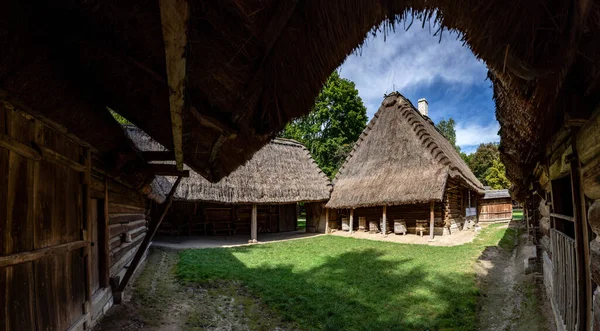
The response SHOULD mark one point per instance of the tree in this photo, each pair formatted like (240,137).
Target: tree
(447,129)
(332,127)
(495,176)
(483,159)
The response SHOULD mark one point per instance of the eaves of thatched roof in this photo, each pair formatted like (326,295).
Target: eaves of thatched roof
(400,158)
(281,172)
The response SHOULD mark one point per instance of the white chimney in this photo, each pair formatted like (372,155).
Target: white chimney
(424,107)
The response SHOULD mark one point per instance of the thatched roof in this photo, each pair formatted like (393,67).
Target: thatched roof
(281,172)
(400,158)
(496,194)
(254,65)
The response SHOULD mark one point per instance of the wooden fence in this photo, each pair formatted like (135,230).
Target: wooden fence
(564,278)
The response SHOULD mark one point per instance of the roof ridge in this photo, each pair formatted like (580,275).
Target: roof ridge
(412,112)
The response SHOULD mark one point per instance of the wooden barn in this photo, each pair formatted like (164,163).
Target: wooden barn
(260,196)
(495,206)
(403,171)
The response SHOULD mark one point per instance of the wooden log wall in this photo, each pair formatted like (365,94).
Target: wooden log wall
(315,217)
(223,219)
(454,203)
(51,210)
(409,213)
(491,210)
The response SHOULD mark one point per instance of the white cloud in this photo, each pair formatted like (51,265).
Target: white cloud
(473,134)
(407,59)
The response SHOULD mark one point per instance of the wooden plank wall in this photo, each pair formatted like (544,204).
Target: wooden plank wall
(41,210)
(495,209)
(221,217)
(45,226)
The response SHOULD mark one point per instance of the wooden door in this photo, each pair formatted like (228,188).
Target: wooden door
(95,276)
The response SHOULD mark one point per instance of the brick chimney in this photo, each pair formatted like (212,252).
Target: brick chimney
(424,107)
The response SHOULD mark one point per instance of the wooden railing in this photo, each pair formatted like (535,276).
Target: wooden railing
(564,278)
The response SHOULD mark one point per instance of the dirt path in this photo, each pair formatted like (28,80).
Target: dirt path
(510,299)
(157,301)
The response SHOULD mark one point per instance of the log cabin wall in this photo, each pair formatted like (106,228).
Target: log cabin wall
(565,203)
(51,276)
(495,210)
(408,213)
(187,218)
(454,205)
(315,217)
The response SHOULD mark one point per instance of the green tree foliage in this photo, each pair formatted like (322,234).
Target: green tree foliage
(332,127)
(483,159)
(495,176)
(447,129)
(487,167)
(122,120)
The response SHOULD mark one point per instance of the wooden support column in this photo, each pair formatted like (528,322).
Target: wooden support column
(144,245)
(254,224)
(105,277)
(174,15)
(87,224)
(582,242)
(384,218)
(431,219)
(327,220)
(351,221)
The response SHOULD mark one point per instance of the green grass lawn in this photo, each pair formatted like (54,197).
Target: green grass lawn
(331,282)
(518,214)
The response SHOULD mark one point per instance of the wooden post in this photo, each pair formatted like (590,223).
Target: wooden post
(326,220)
(106,237)
(254,224)
(87,224)
(384,217)
(431,219)
(351,221)
(145,243)
(582,242)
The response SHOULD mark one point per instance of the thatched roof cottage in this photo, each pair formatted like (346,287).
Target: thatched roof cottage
(262,195)
(402,168)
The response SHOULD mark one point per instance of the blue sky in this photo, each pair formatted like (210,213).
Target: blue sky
(417,65)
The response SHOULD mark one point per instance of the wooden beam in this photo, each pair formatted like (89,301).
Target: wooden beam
(431,219)
(254,224)
(327,220)
(582,243)
(174,15)
(144,245)
(384,217)
(54,157)
(158,156)
(168,170)
(351,221)
(24,257)
(19,148)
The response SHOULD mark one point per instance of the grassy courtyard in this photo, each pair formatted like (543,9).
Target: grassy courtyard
(343,283)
